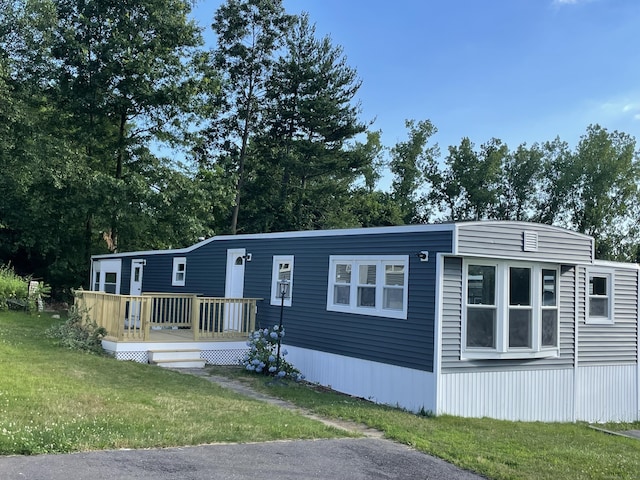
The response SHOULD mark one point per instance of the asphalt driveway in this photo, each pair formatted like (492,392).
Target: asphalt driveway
(345,459)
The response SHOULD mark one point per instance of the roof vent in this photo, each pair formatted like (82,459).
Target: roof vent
(529,241)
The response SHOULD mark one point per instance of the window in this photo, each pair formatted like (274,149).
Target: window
(511,310)
(179,272)
(110,282)
(600,293)
(282,271)
(368,285)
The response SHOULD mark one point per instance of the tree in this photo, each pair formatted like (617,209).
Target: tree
(520,179)
(605,172)
(469,184)
(410,161)
(249,32)
(307,159)
(93,85)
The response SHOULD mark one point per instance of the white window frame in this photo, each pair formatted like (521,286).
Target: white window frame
(175,281)
(276,299)
(502,349)
(609,274)
(380,261)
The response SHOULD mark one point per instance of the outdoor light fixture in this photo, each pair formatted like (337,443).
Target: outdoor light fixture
(423,256)
(247,257)
(284,285)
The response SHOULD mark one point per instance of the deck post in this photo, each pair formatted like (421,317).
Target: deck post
(146,305)
(195,317)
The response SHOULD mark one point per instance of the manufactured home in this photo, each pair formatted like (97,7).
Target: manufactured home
(509,320)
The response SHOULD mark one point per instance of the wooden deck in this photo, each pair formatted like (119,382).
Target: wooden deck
(161,317)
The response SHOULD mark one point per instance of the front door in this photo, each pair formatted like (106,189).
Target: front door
(234,288)
(135,289)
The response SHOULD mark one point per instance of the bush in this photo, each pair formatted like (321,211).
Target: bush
(14,291)
(79,332)
(13,288)
(263,357)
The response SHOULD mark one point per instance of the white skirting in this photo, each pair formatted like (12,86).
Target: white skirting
(214,353)
(594,394)
(378,382)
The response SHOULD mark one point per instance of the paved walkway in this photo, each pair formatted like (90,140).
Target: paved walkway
(367,458)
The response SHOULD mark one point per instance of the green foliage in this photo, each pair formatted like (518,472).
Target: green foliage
(12,287)
(265,357)
(15,291)
(79,332)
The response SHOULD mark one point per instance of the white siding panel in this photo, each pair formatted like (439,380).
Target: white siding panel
(539,395)
(607,393)
(381,383)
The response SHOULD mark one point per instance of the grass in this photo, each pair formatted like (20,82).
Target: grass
(496,449)
(54,400)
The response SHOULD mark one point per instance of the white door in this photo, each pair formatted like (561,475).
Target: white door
(135,288)
(234,288)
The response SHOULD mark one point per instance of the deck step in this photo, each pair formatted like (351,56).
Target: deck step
(176,358)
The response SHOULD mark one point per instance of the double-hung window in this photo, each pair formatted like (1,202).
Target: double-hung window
(282,280)
(511,310)
(600,294)
(369,285)
(179,275)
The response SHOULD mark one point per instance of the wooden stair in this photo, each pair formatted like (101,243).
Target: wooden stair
(188,358)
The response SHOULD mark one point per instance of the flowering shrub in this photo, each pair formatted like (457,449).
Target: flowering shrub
(262,356)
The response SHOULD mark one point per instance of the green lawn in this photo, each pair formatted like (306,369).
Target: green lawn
(494,448)
(56,400)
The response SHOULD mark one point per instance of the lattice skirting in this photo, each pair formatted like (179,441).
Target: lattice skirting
(140,357)
(223,357)
(212,357)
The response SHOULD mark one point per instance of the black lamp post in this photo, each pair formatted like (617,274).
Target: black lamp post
(284,292)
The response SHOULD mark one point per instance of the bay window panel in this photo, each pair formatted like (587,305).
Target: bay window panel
(549,293)
(519,286)
(520,328)
(481,327)
(550,328)
(481,285)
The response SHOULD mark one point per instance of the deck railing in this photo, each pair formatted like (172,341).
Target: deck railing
(135,317)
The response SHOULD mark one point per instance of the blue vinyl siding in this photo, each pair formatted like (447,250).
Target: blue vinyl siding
(403,342)
(308,324)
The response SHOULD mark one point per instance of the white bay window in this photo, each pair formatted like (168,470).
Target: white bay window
(511,310)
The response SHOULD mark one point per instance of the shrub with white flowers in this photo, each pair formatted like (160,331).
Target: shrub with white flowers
(262,356)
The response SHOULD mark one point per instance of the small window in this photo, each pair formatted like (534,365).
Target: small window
(368,285)
(179,275)
(600,294)
(110,282)
(282,280)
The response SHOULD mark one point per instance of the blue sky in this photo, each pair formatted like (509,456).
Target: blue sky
(518,70)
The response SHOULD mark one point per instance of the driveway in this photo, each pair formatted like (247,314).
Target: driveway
(352,459)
